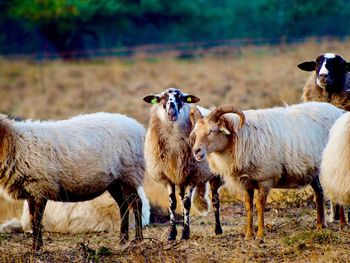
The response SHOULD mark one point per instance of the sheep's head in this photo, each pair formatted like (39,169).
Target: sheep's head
(330,70)
(172,102)
(214,132)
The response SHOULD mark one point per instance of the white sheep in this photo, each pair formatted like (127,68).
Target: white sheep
(264,149)
(169,159)
(335,166)
(73,160)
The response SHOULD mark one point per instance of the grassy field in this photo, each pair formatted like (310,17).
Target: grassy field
(248,77)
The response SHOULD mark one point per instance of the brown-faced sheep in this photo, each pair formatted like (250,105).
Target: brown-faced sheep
(264,149)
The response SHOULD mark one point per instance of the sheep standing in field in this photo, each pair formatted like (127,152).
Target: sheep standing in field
(73,160)
(335,166)
(264,149)
(169,159)
(329,82)
(97,215)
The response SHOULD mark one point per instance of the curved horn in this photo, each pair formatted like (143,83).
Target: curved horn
(215,114)
(195,115)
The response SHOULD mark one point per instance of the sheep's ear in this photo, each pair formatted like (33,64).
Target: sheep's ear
(189,98)
(225,131)
(347,66)
(229,126)
(307,66)
(225,126)
(195,115)
(154,99)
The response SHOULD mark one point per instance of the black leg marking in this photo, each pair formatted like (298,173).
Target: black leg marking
(117,193)
(215,184)
(36,210)
(316,186)
(172,207)
(186,207)
(135,202)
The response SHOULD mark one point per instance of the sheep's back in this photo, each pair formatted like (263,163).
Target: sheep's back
(81,154)
(285,143)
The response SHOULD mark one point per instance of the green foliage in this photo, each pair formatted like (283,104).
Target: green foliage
(111,23)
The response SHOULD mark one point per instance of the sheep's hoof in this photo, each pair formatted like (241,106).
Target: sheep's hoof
(249,236)
(185,233)
(138,238)
(123,238)
(343,226)
(260,239)
(37,245)
(172,233)
(260,235)
(218,230)
(319,227)
(324,226)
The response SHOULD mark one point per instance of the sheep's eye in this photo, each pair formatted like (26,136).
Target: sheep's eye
(211,132)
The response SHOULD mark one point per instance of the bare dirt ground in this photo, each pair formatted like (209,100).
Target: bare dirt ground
(291,237)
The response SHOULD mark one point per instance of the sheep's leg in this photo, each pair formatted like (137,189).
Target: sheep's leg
(342,216)
(260,207)
(186,194)
(336,212)
(36,210)
(172,207)
(316,186)
(331,211)
(137,208)
(215,184)
(117,193)
(135,202)
(249,197)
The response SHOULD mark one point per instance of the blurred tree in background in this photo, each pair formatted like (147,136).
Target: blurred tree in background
(28,26)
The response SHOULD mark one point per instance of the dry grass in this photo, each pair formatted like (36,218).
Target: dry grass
(249,77)
(291,237)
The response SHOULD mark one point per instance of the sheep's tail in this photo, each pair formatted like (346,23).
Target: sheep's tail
(200,198)
(146,209)
(11,226)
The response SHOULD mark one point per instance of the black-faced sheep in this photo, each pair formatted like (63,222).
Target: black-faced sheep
(329,82)
(169,158)
(264,149)
(73,160)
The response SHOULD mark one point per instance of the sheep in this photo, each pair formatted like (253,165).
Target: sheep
(263,149)
(97,215)
(73,160)
(329,82)
(335,168)
(169,159)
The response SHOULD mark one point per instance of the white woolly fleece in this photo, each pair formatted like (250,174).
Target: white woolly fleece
(146,209)
(335,166)
(276,141)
